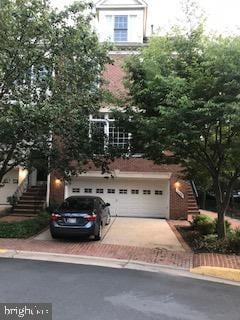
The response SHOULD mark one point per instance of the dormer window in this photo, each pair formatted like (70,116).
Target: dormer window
(121,28)
(121,21)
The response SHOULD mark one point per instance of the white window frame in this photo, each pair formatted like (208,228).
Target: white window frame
(111,191)
(117,28)
(146,192)
(158,192)
(123,191)
(108,121)
(135,191)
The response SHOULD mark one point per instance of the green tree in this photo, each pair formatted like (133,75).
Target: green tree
(185,89)
(50,75)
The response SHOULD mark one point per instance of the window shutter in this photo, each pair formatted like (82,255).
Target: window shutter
(108,28)
(132,23)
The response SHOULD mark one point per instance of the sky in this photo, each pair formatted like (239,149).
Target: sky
(222,15)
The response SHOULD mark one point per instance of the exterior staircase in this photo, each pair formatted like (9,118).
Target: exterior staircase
(31,202)
(192,202)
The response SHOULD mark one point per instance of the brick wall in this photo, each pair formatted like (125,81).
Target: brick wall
(178,206)
(114,75)
(57,187)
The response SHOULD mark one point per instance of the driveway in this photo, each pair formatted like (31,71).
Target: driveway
(136,232)
(142,232)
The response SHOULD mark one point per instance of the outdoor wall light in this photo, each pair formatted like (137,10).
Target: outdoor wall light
(57,182)
(177,185)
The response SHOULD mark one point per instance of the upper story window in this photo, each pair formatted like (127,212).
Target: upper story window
(118,137)
(104,131)
(120,28)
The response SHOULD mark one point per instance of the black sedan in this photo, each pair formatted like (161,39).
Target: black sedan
(80,216)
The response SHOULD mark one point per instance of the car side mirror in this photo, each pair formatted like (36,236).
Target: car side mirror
(107,204)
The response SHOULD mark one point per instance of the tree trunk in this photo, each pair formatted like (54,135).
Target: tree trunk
(1,177)
(204,200)
(221,228)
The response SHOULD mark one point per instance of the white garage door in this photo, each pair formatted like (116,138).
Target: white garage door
(141,198)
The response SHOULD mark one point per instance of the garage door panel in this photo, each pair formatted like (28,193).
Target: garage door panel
(129,198)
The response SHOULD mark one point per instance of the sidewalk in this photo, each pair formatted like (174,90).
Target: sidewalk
(234,222)
(183,260)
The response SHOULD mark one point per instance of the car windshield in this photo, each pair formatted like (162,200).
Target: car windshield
(79,204)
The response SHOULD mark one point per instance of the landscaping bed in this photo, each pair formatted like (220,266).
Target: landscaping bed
(25,228)
(201,236)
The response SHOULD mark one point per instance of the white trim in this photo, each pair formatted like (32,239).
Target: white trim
(141,4)
(128,174)
(125,53)
(48,190)
(180,193)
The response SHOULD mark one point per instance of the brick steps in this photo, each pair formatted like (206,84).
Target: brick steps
(192,203)
(31,202)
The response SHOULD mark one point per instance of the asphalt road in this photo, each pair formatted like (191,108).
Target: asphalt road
(80,292)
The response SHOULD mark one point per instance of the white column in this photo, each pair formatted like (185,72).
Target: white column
(48,190)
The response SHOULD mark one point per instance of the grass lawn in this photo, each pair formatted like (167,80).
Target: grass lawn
(25,228)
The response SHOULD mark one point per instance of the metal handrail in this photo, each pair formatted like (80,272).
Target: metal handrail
(21,188)
(194,188)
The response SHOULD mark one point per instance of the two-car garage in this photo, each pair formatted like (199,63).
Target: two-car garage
(145,195)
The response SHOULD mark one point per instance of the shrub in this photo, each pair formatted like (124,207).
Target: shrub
(228,226)
(12,200)
(208,243)
(23,229)
(201,218)
(234,241)
(203,224)
(211,243)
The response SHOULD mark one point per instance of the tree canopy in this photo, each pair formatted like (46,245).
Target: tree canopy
(50,74)
(185,89)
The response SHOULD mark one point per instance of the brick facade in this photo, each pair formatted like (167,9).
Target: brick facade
(114,75)
(57,188)
(178,206)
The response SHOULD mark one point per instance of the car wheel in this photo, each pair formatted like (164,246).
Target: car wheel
(98,236)
(54,235)
(108,219)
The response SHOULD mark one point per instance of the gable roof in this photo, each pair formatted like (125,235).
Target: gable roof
(137,165)
(101,4)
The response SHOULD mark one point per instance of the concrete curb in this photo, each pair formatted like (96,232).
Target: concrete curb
(219,272)
(109,263)
(85,260)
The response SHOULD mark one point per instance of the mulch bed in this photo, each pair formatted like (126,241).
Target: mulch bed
(193,241)
(203,244)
